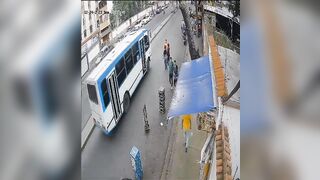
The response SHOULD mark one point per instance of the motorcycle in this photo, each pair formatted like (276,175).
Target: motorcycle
(184,37)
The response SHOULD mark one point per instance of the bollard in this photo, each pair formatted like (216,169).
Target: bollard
(162,97)
(145,118)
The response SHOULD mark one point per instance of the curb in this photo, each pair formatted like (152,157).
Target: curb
(86,132)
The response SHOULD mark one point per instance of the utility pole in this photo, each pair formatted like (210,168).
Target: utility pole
(235,89)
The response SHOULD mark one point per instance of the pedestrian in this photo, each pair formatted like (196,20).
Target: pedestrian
(165,54)
(165,44)
(171,68)
(175,73)
(186,126)
(165,59)
(168,50)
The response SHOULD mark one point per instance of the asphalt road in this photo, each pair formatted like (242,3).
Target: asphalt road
(108,157)
(86,112)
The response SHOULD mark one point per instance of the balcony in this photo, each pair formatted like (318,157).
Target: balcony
(104,25)
(105,31)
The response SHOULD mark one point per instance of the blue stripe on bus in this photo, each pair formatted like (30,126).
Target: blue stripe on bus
(112,65)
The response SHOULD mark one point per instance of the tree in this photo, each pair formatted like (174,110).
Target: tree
(234,7)
(123,10)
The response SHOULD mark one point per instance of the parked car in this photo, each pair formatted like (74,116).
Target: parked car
(158,11)
(138,21)
(146,20)
(138,26)
(105,50)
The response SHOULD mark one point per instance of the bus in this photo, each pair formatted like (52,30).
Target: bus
(111,84)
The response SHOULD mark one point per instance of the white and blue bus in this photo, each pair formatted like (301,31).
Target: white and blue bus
(111,84)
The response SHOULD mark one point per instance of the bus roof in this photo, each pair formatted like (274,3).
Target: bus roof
(113,55)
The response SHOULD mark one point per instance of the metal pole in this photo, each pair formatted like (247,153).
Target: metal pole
(235,173)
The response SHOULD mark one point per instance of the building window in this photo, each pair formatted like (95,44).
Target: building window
(91,29)
(85,33)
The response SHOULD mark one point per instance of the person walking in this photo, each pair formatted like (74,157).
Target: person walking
(186,127)
(165,44)
(175,73)
(165,59)
(171,68)
(168,50)
(165,54)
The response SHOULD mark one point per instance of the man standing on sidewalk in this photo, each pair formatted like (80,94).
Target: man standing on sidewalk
(186,126)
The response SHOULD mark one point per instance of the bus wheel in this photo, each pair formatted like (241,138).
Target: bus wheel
(148,63)
(126,102)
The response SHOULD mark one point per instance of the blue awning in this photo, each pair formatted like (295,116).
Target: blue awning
(194,92)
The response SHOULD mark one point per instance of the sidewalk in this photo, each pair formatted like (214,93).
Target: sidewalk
(186,165)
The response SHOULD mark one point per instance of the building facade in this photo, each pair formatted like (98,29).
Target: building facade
(95,21)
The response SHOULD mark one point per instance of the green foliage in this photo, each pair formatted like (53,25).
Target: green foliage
(125,10)
(222,40)
(234,7)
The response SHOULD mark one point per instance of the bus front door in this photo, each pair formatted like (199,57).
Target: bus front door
(114,95)
(143,57)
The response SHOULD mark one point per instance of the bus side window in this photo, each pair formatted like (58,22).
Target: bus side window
(121,71)
(105,93)
(135,52)
(92,93)
(129,61)
(146,42)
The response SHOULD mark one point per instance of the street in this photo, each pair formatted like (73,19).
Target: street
(152,25)
(108,157)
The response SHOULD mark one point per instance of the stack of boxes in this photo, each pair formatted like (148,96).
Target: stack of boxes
(206,121)
(162,97)
(136,162)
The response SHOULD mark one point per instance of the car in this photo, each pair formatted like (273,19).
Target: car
(138,26)
(158,11)
(146,20)
(138,21)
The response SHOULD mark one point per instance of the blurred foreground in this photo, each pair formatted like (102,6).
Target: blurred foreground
(280,75)
(40,89)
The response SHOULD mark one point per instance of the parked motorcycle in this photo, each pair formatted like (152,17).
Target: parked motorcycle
(184,37)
